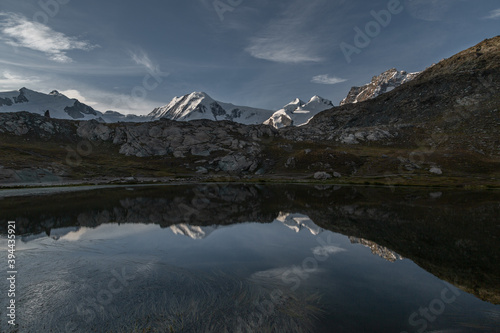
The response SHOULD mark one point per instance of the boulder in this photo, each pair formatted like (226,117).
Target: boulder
(321,175)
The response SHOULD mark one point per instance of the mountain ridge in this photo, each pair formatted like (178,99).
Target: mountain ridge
(379,84)
(195,105)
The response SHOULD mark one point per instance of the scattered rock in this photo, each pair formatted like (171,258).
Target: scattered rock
(436,170)
(321,175)
(179,154)
(201,170)
(436,195)
(290,163)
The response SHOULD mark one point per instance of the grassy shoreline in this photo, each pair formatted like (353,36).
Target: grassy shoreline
(437,182)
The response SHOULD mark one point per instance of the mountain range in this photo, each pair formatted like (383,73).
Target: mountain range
(197,105)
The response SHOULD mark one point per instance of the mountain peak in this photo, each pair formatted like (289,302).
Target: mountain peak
(198,94)
(320,100)
(296,101)
(56,93)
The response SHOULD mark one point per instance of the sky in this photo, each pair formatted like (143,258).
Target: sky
(133,56)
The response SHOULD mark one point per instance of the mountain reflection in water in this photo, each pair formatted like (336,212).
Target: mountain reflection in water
(215,258)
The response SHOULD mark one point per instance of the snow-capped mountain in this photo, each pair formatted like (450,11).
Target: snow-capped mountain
(298,113)
(59,106)
(198,105)
(383,83)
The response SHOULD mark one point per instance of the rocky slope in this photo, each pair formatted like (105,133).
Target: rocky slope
(222,146)
(446,117)
(380,84)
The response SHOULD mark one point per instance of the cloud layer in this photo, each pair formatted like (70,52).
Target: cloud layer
(9,80)
(274,48)
(284,39)
(16,30)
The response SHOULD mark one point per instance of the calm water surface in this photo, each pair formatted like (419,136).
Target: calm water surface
(237,258)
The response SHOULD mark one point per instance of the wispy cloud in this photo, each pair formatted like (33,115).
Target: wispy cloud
(140,57)
(326,79)
(286,39)
(11,81)
(280,50)
(16,30)
(494,14)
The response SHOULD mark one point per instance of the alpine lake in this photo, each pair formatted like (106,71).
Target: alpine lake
(253,258)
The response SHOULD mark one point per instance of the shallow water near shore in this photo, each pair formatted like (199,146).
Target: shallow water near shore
(252,258)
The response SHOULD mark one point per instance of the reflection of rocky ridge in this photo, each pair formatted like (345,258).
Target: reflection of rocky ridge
(298,222)
(378,250)
(55,234)
(455,236)
(295,222)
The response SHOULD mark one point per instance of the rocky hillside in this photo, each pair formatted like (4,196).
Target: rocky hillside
(440,128)
(380,84)
(446,117)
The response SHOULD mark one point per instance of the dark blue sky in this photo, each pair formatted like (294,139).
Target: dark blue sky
(132,56)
